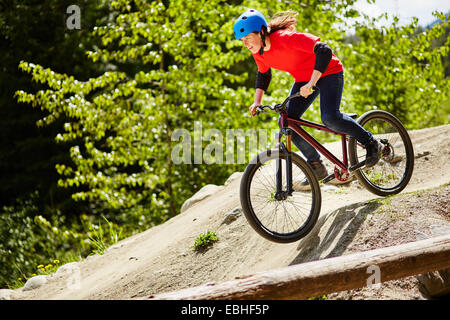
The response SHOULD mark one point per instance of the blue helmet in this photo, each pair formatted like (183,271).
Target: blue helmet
(250,21)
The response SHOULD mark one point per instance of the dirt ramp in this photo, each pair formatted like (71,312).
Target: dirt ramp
(161,259)
(334,232)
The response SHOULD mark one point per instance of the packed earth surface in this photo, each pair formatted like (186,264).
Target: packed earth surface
(352,219)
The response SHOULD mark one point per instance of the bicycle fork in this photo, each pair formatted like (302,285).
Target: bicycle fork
(283,150)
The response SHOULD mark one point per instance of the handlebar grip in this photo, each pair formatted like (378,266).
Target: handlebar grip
(313,88)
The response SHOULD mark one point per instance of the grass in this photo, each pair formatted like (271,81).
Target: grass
(342,190)
(380,178)
(204,240)
(40,270)
(101,239)
(380,202)
(322,297)
(271,197)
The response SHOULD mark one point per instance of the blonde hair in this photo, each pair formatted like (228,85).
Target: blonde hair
(283,20)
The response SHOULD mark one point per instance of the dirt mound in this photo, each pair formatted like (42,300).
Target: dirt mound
(161,259)
(393,221)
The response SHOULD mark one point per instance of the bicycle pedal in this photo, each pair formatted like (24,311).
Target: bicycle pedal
(328,178)
(357,166)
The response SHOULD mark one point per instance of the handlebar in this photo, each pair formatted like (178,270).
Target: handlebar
(281,108)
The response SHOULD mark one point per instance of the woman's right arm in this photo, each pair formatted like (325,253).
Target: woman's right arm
(262,83)
(257,101)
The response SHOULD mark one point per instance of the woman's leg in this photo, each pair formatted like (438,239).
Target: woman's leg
(296,108)
(331,88)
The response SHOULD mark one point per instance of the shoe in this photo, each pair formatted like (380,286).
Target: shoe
(373,153)
(319,170)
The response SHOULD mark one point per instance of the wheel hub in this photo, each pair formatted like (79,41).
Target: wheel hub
(282,195)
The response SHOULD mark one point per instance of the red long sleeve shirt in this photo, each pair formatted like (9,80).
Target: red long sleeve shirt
(292,51)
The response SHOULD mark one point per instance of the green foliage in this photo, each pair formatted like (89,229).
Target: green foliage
(121,123)
(204,240)
(27,238)
(400,70)
(101,239)
(36,31)
(47,269)
(322,297)
(169,65)
(39,270)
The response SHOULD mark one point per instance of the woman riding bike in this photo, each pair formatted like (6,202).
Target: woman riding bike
(312,63)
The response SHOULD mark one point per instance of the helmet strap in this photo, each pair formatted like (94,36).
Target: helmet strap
(261,51)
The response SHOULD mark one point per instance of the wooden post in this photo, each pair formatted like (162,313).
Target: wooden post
(316,278)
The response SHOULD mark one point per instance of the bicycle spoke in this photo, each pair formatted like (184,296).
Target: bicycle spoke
(280,216)
(393,168)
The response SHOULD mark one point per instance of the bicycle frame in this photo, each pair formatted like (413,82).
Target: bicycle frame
(295,125)
(287,124)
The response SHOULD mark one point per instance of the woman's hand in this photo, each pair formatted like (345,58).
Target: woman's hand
(306,90)
(253,110)
(257,101)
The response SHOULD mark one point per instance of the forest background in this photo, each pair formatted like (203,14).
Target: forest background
(88,112)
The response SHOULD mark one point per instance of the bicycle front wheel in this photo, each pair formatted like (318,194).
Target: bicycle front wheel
(394,170)
(279,220)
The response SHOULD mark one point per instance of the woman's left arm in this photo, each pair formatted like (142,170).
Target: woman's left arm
(323,57)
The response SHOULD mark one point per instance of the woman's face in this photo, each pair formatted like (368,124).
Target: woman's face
(253,42)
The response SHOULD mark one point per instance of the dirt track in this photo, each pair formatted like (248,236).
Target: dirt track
(160,259)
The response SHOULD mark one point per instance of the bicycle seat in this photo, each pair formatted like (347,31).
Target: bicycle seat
(352,115)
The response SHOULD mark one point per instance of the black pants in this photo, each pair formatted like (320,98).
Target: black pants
(331,88)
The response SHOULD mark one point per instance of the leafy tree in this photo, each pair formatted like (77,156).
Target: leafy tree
(36,31)
(28,239)
(397,69)
(175,65)
(125,120)
(182,61)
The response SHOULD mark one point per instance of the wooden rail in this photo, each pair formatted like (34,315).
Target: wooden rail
(321,277)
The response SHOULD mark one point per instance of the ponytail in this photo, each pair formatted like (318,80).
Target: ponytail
(283,20)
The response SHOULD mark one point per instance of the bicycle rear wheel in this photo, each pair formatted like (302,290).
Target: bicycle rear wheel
(285,220)
(394,170)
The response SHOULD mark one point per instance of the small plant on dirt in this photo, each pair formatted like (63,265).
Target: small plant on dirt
(40,270)
(48,269)
(323,297)
(100,239)
(381,178)
(204,240)
(342,190)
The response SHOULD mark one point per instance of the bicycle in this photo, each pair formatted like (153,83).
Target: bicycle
(281,214)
